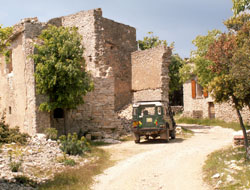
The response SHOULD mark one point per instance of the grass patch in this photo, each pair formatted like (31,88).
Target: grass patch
(82,177)
(211,122)
(231,166)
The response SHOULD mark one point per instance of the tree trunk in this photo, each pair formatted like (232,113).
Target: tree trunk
(248,153)
(65,121)
(243,128)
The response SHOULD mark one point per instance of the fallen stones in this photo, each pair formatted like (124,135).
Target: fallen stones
(39,161)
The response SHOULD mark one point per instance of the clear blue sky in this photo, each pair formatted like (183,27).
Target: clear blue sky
(172,20)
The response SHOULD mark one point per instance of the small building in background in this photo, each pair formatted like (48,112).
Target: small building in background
(199,104)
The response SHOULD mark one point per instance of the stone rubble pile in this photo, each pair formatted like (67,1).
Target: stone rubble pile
(39,161)
(238,138)
(125,115)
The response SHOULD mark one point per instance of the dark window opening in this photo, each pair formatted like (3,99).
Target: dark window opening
(9,110)
(58,113)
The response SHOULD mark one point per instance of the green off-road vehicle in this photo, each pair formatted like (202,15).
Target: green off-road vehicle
(153,119)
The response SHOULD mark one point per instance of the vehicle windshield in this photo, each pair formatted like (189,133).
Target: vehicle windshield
(147,111)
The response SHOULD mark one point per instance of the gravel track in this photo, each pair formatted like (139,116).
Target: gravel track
(153,165)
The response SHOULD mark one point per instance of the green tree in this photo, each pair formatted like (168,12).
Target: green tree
(175,84)
(232,73)
(60,70)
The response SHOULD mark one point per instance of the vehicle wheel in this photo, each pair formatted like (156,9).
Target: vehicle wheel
(165,135)
(147,137)
(137,138)
(172,134)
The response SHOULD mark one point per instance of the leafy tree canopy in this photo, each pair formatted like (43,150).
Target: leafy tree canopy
(240,5)
(60,70)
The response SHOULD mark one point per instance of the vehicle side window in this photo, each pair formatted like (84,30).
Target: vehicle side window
(159,110)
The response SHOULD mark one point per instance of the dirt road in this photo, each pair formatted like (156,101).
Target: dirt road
(153,165)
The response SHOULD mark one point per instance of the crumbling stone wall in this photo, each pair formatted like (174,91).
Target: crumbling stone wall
(223,111)
(150,78)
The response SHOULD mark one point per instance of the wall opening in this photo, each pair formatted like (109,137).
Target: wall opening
(10,110)
(58,113)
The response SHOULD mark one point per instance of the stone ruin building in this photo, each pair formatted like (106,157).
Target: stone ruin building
(199,104)
(108,55)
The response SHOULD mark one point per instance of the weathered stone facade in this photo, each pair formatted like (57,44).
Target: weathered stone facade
(150,79)
(108,47)
(201,107)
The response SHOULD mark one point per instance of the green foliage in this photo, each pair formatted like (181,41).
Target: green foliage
(51,133)
(72,145)
(186,73)
(240,5)
(66,161)
(15,166)
(175,83)
(150,41)
(69,162)
(60,70)
(236,23)
(5,33)
(9,135)
(25,180)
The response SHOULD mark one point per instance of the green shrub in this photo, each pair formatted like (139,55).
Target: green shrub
(66,161)
(25,180)
(72,145)
(15,166)
(51,133)
(9,135)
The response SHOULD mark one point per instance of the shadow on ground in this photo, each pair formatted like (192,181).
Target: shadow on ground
(160,141)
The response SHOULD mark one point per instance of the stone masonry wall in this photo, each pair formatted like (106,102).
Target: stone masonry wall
(119,42)
(223,111)
(107,53)
(18,87)
(150,77)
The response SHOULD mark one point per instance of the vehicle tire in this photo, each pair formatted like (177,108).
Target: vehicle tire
(137,138)
(165,135)
(172,134)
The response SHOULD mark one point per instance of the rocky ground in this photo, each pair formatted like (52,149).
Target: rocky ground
(39,160)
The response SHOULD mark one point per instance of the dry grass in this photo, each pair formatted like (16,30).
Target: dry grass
(231,164)
(79,178)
